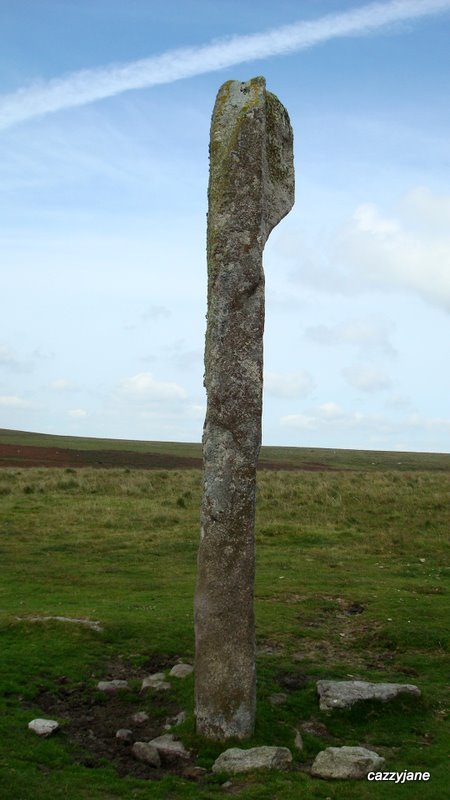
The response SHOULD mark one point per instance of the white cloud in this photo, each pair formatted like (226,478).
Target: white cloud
(408,252)
(366,379)
(87,86)
(439,424)
(145,389)
(331,414)
(416,432)
(428,209)
(156,312)
(182,357)
(299,421)
(62,385)
(367,334)
(385,253)
(78,413)
(9,359)
(13,401)
(294,384)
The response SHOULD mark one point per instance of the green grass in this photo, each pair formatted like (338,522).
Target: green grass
(120,547)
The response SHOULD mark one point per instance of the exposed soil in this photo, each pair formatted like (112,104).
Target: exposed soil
(14,455)
(90,719)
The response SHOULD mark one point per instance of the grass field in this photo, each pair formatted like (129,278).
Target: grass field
(350,582)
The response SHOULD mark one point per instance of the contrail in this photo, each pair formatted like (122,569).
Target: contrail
(86,86)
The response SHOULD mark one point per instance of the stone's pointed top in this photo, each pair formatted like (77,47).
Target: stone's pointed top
(251,140)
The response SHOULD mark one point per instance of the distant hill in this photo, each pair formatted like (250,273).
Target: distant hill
(26,449)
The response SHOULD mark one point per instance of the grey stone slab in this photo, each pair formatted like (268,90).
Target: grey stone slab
(343,694)
(345,763)
(236,760)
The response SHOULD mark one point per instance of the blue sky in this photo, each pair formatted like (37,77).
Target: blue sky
(103,204)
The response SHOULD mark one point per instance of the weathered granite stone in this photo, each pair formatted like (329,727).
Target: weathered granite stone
(89,623)
(181,670)
(112,686)
(156,682)
(314,727)
(124,735)
(236,760)
(145,751)
(140,717)
(345,763)
(343,694)
(194,773)
(169,748)
(176,720)
(298,741)
(43,727)
(251,189)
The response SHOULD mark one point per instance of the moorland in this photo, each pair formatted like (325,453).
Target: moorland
(351,569)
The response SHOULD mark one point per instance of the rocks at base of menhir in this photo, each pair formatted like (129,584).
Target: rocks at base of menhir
(178,719)
(112,686)
(140,717)
(345,763)
(343,694)
(194,773)
(146,752)
(124,735)
(43,727)
(155,682)
(236,760)
(169,748)
(181,670)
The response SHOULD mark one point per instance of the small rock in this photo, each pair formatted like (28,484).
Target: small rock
(169,748)
(112,686)
(278,699)
(155,682)
(343,694)
(181,670)
(346,763)
(177,720)
(144,751)
(90,623)
(124,735)
(227,785)
(43,727)
(314,727)
(194,772)
(237,760)
(298,741)
(140,717)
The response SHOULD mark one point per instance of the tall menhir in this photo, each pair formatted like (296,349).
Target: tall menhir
(251,188)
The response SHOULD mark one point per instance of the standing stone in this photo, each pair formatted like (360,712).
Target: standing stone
(251,188)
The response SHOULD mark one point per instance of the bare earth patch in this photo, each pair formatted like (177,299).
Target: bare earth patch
(90,720)
(14,455)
